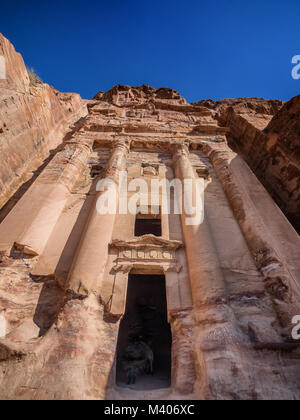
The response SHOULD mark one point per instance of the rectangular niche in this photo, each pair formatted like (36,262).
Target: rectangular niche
(149,223)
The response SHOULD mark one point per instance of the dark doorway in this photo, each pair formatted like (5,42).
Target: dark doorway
(147,226)
(145,321)
(148,223)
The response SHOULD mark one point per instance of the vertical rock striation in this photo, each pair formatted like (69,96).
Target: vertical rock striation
(232,282)
(33,121)
(266,134)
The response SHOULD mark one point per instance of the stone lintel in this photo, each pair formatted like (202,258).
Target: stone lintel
(161,144)
(147,242)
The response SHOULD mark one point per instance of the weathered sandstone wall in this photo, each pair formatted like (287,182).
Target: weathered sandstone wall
(256,111)
(266,134)
(232,282)
(33,121)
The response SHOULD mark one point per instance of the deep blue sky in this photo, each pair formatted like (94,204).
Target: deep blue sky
(204,49)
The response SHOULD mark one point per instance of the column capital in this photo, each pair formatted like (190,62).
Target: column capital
(81,144)
(180,149)
(121,144)
(172,268)
(117,161)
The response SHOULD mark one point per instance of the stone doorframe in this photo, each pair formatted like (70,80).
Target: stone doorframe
(147,254)
(154,255)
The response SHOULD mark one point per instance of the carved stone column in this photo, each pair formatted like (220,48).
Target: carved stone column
(116,305)
(278,269)
(216,335)
(206,279)
(91,257)
(172,288)
(40,208)
(183,362)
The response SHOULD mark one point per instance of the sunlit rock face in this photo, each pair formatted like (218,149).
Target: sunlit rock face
(33,120)
(211,305)
(266,134)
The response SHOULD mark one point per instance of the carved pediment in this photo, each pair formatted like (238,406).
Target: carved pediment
(148,251)
(147,242)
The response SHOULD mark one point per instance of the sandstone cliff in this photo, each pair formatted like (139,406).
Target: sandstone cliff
(256,111)
(280,170)
(33,121)
(266,134)
(231,283)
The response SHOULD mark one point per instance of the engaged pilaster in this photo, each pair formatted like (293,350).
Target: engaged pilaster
(206,278)
(216,334)
(40,208)
(91,257)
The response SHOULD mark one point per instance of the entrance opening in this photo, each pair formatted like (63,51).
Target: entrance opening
(147,224)
(144,334)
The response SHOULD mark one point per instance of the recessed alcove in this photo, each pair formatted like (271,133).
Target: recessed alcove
(145,320)
(96,170)
(146,224)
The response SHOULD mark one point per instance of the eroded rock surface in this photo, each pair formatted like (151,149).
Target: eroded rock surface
(33,121)
(256,111)
(266,134)
(232,283)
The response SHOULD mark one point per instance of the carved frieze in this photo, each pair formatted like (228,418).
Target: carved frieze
(147,250)
(146,254)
